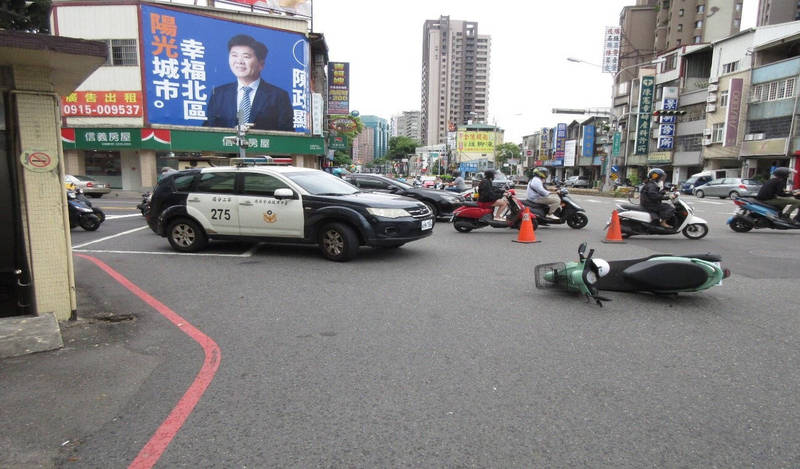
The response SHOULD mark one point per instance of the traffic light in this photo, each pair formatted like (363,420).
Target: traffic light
(663,112)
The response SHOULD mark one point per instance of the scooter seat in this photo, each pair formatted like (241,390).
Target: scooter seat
(634,207)
(665,276)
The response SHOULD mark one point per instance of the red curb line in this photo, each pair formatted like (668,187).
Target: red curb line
(155,447)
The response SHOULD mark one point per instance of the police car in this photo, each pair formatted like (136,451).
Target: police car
(282,204)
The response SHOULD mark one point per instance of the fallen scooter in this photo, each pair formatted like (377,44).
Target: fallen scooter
(570,212)
(474,215)
(659,274)
(635,220)
(81,214)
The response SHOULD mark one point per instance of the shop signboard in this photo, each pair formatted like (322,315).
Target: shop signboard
(645,111)
(615,146)
(475,142)
(667,124)
(190,76)
(734,109)
(338,88)
(569,152)
(588,141)
(561,138)
(659,157)
(612,39)
(102,104)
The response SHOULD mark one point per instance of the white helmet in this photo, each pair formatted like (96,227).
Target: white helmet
(602,267)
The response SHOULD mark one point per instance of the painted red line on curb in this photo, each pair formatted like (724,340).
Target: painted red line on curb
(162,437)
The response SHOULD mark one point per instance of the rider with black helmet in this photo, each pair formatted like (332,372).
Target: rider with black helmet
(488,193)
(653,193)
(774,193)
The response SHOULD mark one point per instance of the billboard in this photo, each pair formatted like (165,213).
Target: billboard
(102,104)
(476,142)
(588,141)
(561,138)
(611,45)
(193,78)
(734,109)
(569,152)
(668,124)
(645,110)
(338,88)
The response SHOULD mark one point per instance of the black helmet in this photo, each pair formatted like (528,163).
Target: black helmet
(489,174)
(456,173)
(782,172)
(656,174)
(541,172)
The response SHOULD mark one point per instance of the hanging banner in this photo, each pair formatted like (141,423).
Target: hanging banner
(645,114)
(734,108)
(615,146)
(588,141)
(338,88)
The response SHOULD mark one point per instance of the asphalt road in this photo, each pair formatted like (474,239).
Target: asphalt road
(443,354)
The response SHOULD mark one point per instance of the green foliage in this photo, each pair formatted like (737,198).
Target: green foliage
(503,153)
(22,15)
(401,147)
(341,158)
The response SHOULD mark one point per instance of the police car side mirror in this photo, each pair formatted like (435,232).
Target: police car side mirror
(284,193)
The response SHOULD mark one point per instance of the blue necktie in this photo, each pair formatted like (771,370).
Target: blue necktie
(244,105)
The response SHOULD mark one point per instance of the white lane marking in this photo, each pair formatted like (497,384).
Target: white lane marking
(246,254)
(108,237)
(114,217)
(594,201)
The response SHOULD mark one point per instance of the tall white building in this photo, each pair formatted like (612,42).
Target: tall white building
(407,124)
(455,77)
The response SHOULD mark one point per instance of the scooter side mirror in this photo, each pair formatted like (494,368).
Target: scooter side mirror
(582,249)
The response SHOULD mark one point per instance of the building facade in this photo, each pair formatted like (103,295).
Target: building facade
(407,125)
(682,22)
(455,77)
(777,11)
(380,134)
(150,105)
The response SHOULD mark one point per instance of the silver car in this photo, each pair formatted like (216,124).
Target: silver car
(728,187)
(90,186)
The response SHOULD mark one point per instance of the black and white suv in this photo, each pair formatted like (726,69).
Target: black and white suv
(282,204)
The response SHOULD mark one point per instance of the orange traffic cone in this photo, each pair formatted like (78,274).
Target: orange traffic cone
(526,234)
(614,233)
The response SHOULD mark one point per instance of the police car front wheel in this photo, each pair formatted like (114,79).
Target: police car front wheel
(338,242)
(186,236)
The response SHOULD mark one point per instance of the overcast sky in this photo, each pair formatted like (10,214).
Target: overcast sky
(531,41)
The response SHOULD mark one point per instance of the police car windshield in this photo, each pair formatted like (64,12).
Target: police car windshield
(321,183)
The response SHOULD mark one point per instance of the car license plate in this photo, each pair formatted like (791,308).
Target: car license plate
(427,224)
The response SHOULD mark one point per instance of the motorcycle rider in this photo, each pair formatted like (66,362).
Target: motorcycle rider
(488,193)
(774,193)
(537,193)
(653,193)
(458,184)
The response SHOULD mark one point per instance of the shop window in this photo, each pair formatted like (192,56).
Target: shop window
(105,167)
(122,52)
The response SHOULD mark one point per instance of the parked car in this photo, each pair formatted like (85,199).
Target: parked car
(89,185)
(728,187)
(695,181)
(500,180)
(281,204)
(520,179)
(442,203)
(578,181)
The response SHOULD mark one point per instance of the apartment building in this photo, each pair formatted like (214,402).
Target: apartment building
(455,77)
(407,124)
(777,11)
(380,133)
(682,22)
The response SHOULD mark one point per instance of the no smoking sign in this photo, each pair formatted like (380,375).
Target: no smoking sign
(39,161)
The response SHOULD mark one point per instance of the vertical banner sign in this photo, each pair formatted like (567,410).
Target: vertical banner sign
(667,124)
(569,152)
(588,141)
(195,65)
(734,108)
(560,140)
(611,44)
(338,88)
(645,111)
(544,143)
(615,146)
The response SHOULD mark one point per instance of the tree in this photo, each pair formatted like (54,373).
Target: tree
(25,15)
(401,147)
(504,152)
(341,158)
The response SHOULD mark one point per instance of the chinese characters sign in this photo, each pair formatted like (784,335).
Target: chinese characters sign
(338,88)
(186,60)
(645,111)
(588,141)
(611,43)
(102,104)
(561,138)
(477,142)
(734,109)
(667,124)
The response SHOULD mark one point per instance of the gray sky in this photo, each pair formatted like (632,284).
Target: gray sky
(531,40)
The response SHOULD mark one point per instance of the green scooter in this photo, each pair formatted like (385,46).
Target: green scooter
(659,274)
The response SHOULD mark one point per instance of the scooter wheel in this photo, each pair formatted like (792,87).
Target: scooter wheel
(740,225)
(89,222)
(578,220)
(99,214)
(462,226)
(695,231)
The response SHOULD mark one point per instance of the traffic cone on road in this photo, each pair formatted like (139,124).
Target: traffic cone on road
(614,233)
(526,234)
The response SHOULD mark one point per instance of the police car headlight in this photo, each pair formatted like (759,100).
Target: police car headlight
(388,212)
(451,199)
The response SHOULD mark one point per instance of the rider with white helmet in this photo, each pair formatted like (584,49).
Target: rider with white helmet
(537,193)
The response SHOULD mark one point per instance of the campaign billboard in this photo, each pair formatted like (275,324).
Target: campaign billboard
(338,88)
(195,67)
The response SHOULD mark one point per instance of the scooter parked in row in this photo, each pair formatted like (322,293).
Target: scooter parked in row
(659,274)
(753,213)
(82,214)
(570,212)
(635,220)
(474,215)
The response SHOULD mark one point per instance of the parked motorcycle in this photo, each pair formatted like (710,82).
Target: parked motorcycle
(81,214)
(660,274)
(570,212)
(753,213)
(474,215)
(635,220)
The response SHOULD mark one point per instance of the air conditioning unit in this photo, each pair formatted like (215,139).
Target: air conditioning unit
(712,98)
(713,79)
(706,131)
(706,141)
(711,107)
(758,136)
(712,87)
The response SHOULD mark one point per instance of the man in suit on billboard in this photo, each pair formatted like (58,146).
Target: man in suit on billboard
(264,105)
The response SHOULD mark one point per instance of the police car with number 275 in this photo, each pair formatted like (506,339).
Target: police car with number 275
(282,204)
